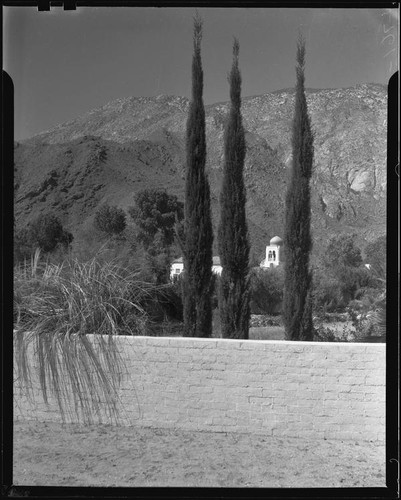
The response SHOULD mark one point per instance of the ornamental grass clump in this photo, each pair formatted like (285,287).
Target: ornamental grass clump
(55,308)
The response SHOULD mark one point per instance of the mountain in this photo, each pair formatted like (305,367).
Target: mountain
(110,153)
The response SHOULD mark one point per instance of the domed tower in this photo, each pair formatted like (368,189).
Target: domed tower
(276,241)
(273,253)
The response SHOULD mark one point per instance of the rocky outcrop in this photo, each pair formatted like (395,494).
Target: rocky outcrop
(129,144)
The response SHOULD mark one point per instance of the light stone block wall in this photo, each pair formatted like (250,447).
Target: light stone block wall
(276,388)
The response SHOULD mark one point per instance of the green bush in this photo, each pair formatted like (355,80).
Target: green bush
(110,220)
(267,287)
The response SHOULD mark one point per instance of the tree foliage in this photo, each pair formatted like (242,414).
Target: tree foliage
(110,220)
(328,293)
(155,215)
(376,254)
(158,260)
(23,247)
(233,231)
(266,287)
(342,262)
(198,232)
(297,303)
(45,232)
(341,278)
(155,212)
(342,251)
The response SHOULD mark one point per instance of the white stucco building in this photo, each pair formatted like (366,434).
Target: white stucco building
(274,258)
(273,253)
(177,267)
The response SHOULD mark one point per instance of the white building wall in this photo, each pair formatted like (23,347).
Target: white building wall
(272,256)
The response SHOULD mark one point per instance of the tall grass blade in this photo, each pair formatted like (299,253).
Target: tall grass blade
(56,307)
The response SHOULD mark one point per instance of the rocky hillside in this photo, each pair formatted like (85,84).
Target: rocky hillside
(110,153)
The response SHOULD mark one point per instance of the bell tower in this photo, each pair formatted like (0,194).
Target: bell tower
(273,253)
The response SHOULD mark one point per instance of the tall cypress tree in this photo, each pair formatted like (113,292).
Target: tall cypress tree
(198,231)
(297,310)
(233,232)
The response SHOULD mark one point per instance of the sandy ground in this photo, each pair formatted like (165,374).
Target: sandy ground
(51,454)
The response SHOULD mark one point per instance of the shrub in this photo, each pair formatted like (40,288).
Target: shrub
(368,316)
(164,304)
(55,307)
(110,220)
(45,232)
(368,324)
(89,243)
(342,251)
(323,333)
(327,293)
(267,287)
(263,320)
(157,257)
(48,233)
(23,246)
(341,276)
(375,252)
(80,298)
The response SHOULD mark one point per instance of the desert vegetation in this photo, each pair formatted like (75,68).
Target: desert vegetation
(344,288)
(55,308)
(110,220)
(114,278)
(155,215)
(46,232)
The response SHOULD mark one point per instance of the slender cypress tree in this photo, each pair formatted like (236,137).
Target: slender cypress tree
(198,231)
(233,231)
(297,310)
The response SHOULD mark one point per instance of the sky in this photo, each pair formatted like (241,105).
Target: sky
(64,63)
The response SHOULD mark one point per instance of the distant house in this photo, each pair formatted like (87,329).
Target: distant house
(273,253)
(274,258)
(177,267)
(216,267)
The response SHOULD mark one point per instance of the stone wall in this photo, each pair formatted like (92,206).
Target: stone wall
(279,388)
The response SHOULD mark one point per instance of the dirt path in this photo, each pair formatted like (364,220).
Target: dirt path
(50,454)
